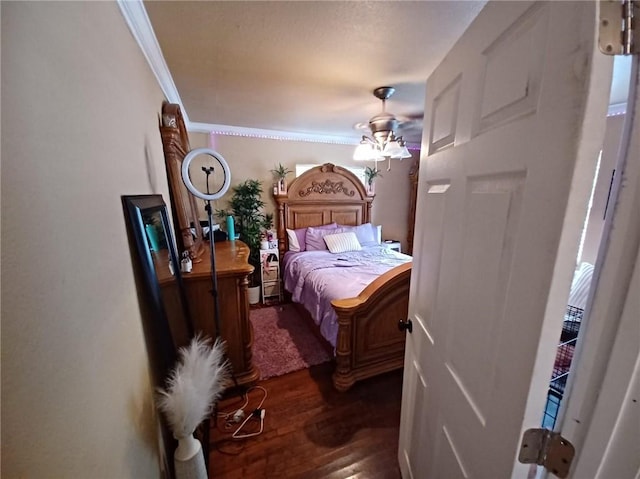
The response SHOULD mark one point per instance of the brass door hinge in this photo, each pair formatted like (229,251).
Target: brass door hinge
(547,448)
(618,29)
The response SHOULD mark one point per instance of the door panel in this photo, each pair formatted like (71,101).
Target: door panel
(502,114)
(507,96)
(415,436)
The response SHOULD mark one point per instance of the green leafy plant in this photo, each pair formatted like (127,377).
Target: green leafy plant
(246,207)
(280,172)
(370,173)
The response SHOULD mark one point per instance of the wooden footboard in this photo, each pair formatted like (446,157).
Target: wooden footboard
(369,341)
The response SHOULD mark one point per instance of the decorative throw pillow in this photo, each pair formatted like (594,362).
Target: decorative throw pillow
(297,238)
(341,242)
(315,237)
(366,233)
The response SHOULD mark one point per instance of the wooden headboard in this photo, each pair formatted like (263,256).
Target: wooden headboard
(321,195)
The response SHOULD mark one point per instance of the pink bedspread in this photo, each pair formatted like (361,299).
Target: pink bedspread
(315,278)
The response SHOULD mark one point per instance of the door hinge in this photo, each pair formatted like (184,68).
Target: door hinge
(618,29)
(547,448)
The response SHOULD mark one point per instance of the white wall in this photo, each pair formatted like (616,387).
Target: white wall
(608,160)
(80,113)
(254,157)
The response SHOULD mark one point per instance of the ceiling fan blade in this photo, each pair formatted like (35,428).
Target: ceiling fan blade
(409,117)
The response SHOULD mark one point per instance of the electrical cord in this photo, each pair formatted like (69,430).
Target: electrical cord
(257,413)
(234,417)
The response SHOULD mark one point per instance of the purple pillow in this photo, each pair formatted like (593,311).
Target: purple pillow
(315,237)
(298,237)
(366,233)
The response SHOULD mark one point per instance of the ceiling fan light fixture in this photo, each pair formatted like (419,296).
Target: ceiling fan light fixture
(367,151)
(384,143)
(405,153)
(392,149)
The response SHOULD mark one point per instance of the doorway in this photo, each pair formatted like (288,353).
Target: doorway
(592,234)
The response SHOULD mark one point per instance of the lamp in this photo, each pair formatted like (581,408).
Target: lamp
(208,197)
(385,143)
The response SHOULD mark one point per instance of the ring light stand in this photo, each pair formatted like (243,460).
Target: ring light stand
(208,197)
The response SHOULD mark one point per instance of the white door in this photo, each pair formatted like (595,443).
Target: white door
(513,126)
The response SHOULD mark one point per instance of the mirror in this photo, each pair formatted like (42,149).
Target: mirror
(165,314)
(175,142)
(170,323)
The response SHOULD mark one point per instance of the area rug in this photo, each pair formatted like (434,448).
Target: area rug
(282,342)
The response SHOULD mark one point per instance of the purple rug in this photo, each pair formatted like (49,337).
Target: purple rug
(282,342)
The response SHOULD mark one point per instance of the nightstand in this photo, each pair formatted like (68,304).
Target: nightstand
(393,244)
(270,275)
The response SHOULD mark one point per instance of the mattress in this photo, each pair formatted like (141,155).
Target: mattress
(315,278)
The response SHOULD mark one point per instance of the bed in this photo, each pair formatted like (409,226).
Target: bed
(363,333)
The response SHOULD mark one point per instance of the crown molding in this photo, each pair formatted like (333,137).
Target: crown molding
(617,109)
(138,21)
(136,17)
(229,130)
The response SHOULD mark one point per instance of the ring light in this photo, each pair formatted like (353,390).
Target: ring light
(187,180)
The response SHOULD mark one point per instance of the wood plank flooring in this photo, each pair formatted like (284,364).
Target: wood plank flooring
(313,431)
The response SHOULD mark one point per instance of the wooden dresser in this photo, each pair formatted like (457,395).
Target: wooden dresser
(232,269)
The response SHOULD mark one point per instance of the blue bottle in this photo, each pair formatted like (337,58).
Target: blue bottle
(230,228)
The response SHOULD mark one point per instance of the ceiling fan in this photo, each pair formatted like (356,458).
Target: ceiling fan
(384,127)
(387,121)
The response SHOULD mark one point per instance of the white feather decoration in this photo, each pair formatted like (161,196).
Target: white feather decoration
(194,385)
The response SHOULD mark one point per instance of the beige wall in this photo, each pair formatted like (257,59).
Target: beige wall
(254,157)
(595,224)
(80,113)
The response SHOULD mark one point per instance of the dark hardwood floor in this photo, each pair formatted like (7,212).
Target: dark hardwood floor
(313,431)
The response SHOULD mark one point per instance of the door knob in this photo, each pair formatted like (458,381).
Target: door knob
(405,325)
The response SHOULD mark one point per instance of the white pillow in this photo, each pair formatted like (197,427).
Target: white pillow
(378,233)
(294,244)
(580,286)
(341,242)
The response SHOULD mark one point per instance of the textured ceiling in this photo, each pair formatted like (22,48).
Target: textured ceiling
(309,66)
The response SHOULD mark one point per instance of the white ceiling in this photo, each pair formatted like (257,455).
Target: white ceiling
(308,68)
(305,66)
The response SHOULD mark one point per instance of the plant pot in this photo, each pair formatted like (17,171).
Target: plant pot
(371,190)
(254,294)
(282,186)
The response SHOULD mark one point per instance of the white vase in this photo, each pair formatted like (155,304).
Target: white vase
(282,186)
(254,295)
(189,459)
(371,190)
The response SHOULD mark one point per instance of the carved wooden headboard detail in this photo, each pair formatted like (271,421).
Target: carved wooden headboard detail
(184,206)
(321,195)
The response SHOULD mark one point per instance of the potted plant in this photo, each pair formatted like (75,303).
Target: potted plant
(370,174)
(280,173)
(246,207)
